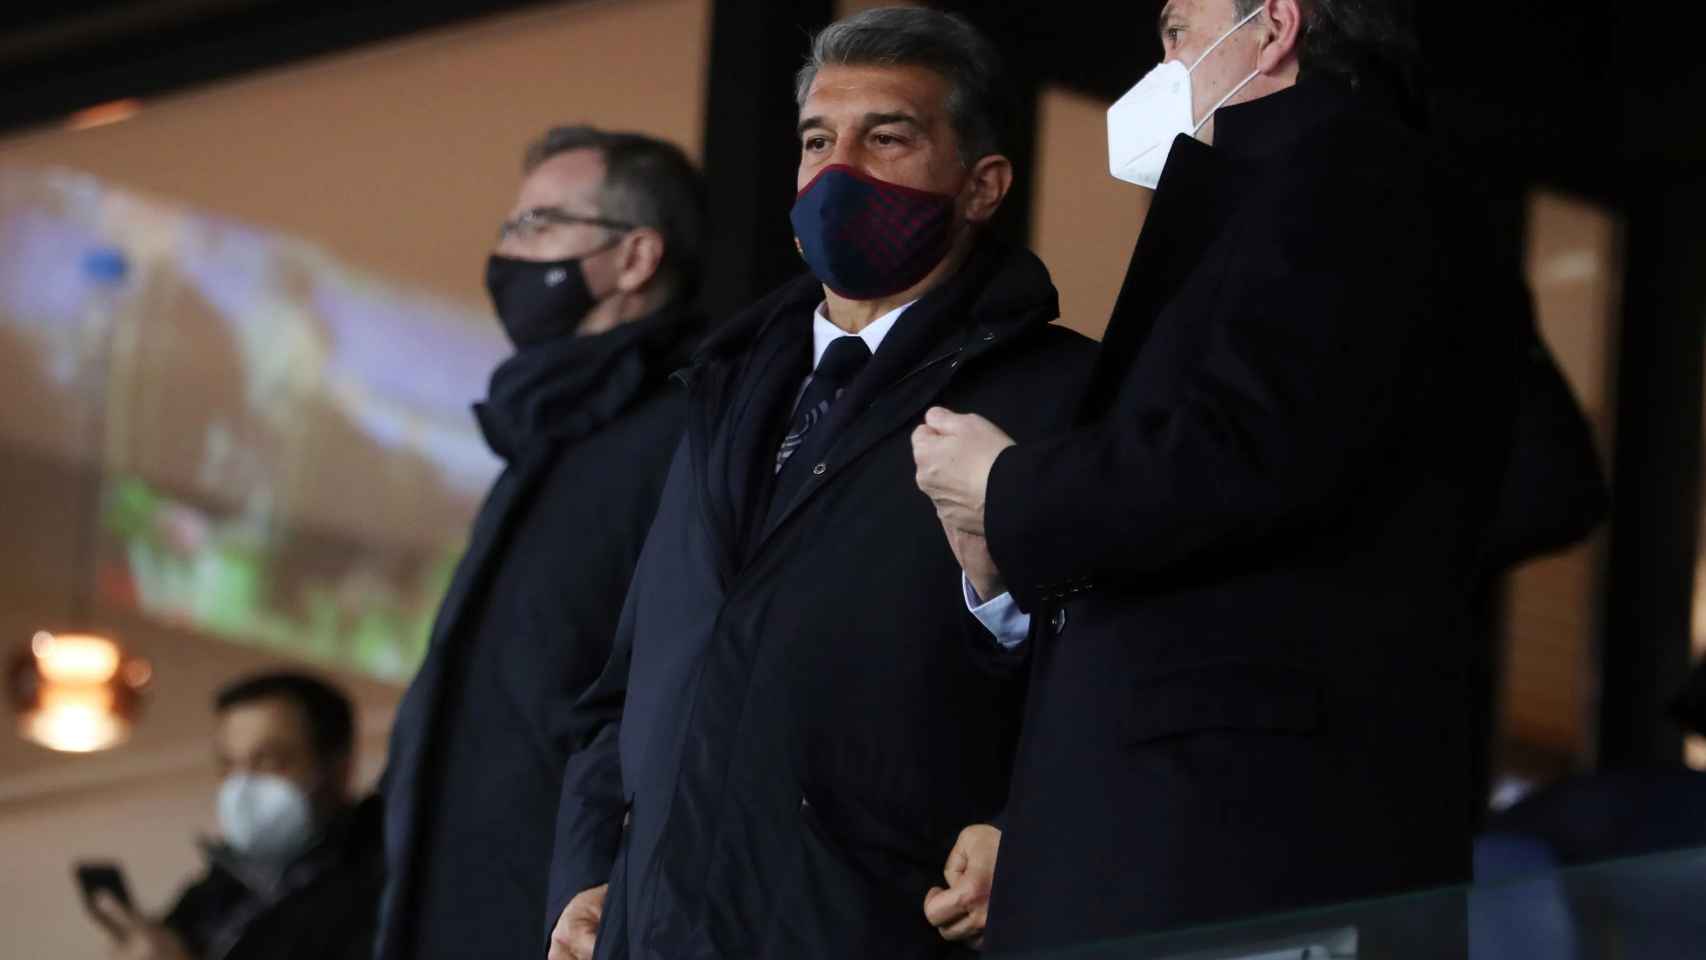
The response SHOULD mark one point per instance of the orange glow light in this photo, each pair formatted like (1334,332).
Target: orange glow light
(77,692)
(101,115)
(75,658)
(75,721)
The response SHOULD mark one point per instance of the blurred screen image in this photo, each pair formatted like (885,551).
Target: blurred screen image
(277,449)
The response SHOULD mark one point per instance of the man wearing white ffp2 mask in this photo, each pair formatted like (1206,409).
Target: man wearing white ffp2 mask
(264,816)
(1170,100)
(297,868)
(1247,565)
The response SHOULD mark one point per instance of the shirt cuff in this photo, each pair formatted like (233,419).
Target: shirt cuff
(1000,616)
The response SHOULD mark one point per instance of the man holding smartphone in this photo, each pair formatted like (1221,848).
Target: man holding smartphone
(297,869)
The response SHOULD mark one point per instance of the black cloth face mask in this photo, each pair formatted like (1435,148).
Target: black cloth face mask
(539,300)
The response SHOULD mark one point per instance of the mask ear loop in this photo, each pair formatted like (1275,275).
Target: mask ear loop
(1234,91)
(1214,109)
(1223,37)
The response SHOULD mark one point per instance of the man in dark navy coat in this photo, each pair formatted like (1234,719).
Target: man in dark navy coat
(1248,566)
(806,724)
(589,278)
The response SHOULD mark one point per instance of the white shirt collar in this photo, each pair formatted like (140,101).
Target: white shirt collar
(824,332)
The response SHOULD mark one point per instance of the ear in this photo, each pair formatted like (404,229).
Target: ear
(638,258)
(988,182)
(1283,21)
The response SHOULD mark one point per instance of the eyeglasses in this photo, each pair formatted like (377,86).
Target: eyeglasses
(536,221)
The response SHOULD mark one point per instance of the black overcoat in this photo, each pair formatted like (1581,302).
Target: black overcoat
(811,714)
(1248,566)
(586,427)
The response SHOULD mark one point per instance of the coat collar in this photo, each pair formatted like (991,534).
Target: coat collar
(1259,129)
(1003,286)
(1000,292)
(345,836)
(1200,189)
(1193,201)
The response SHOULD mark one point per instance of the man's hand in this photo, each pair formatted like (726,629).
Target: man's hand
(576,932)
(972,552)
(959,911)
(954,453)
(134,937)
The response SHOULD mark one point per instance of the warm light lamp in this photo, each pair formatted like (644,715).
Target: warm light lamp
(77,692)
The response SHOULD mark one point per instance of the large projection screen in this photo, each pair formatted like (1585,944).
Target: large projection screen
(256,442)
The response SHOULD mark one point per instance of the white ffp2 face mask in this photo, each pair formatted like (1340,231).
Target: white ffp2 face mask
(1143,124)
(264,816)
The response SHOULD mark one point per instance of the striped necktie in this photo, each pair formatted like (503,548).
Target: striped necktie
(842,362)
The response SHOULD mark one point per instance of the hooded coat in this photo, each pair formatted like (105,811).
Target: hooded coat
(800,715)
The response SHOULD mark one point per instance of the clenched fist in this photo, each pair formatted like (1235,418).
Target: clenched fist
(960,910)
(954,453)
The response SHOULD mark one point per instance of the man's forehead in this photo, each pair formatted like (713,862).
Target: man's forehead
(908,89)
(1181,10)
(265,719)
(569,177)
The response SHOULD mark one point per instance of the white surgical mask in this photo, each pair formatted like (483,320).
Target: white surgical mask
(264,816)
(1143,124)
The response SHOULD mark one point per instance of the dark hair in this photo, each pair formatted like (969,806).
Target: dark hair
(330,718)
(916,36)
(648,183)
(1369,45)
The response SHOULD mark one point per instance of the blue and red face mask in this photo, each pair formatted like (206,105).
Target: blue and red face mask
(867,238)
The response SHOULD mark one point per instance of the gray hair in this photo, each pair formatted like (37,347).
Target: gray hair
(915,36)
(648,183)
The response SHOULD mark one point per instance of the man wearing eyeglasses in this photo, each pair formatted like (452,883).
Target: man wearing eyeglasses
(590,278)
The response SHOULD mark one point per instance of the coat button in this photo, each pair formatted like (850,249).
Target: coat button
(820,470)
(1059,621)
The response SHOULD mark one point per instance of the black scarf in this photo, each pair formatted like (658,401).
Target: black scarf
(566,388)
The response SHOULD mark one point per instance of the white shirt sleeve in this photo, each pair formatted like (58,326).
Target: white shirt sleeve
(1000,616)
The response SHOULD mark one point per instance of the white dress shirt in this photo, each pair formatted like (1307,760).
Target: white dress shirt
(999,615)
(825,332)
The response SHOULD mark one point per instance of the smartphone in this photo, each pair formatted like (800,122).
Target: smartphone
(96,876)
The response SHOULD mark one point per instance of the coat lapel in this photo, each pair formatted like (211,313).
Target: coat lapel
(875,415)
(883,416)
(741,405)
(1195,198)
(999,293)
(732,435)
(491,529)
(493,525)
